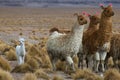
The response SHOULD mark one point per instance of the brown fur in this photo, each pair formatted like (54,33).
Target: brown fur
(103,34)
(115,48)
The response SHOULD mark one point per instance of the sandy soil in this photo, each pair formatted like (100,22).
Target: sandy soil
(14,21)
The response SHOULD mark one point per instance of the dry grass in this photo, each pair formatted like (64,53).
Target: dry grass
(112,74)
(33,63)
(4,75)
(61,65)
(11,55)
(23,68)
(85,74)
(3,47)
(110,63)
(41,74)
(57,78)
(4,64)
(30,76)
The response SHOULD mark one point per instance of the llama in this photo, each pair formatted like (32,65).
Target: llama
(64,47)
(93,26)
(20,51)
(115,50)
(98,44)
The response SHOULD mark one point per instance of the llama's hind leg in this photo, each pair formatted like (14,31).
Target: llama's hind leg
(97,58)
(103,57)
(70,63)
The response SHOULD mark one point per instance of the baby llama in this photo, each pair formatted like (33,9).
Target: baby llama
(20,51)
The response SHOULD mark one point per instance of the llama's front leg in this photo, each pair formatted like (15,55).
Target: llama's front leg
(23,58)
(19,60)
(90,61)
(53,64)
(70,62)
(97,58)
(103,57)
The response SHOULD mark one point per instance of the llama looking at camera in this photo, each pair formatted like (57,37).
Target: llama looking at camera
(20,51)
(64,47)
(98,44)
(93,26)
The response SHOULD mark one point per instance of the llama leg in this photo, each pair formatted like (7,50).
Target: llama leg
(97,58)
(70,62)
(53,64)
(90,61)
(103,56)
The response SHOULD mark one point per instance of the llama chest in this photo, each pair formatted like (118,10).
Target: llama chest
(105,47)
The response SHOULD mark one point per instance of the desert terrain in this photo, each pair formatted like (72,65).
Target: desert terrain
(34,24)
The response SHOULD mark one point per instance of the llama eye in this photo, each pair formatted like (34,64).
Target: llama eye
(81,19)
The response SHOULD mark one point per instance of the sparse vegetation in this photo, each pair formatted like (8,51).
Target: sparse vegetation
(4,75)
(112,74)
(4,64)
(30,76)
(41,74)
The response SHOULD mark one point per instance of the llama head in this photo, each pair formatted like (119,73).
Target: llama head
(21,40)
(81,19)
(94,19)
(107,11)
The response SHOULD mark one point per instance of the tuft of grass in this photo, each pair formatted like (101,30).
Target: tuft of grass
(23,68)
(112,74)
(4,75)
(57,78)
(11,55)
(110,63)
(41,74)
(85,74)
(59,67)
(33,63)
(30,76)
(4,64)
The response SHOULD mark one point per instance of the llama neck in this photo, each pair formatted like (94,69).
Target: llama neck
(22,45)
(77,31)
(93,27)
(105,24)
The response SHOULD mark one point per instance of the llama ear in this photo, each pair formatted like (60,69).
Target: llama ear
(110,5)
(75,14)
(102,6)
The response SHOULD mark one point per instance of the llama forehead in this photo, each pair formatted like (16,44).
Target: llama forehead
(94,17)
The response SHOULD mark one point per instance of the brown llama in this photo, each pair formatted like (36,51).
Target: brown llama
(115,50)
(98,44)
(93,26)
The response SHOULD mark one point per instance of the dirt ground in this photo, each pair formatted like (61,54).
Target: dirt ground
(20,20)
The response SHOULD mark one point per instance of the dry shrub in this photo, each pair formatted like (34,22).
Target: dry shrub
(30,76)
(4,47)
(23,68)
(27,45)
(27,57)
(34,51)
(33,63)
(15,43)
(112,74)
(57,78)
(33,37)
(41,74)
(85,74)
(21,34)
(110,63)
(4,64)
(60,65)
(11,55)
(4,75)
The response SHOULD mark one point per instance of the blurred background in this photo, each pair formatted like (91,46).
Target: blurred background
(57,3)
